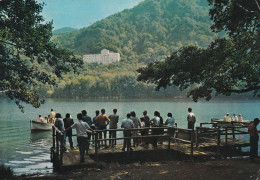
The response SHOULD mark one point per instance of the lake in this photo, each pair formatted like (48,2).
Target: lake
(30,153)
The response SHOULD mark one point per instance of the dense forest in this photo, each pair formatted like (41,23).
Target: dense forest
(148,32)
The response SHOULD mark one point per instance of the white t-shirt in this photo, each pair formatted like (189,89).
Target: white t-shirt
(81,128)
(191,117)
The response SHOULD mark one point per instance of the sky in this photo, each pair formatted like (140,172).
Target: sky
(82,13)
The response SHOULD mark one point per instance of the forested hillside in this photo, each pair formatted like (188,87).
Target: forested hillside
(147,32)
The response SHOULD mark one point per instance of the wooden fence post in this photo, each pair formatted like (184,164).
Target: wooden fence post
(96,145)
(226,130)
(53,137)
(170,131)
(192,141)
(197,137)
(218,142)
(62,148)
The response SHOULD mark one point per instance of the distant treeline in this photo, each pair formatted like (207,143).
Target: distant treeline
(96,83)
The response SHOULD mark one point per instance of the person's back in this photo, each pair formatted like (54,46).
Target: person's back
(136,122)
(59,122)
(170,121)
(155,121)
(102,120)
(95,117)
(68,122)
(191,117)
(127,124)
(146,119)
(86,118)
(113,120)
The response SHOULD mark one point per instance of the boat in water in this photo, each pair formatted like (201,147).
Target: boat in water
(39,126)
(222,123)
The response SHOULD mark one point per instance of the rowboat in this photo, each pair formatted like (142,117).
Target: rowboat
(39,126)
(222,123)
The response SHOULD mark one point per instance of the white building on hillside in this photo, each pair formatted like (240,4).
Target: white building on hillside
(105,57)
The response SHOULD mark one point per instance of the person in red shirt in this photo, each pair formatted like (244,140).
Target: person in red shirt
(254,137)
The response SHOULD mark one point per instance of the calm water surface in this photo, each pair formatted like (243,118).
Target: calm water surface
(30,153)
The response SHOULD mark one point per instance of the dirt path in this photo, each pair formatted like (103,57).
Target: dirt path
(209,170)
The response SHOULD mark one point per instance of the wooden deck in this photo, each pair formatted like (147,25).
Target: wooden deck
(204,143)
(206,150)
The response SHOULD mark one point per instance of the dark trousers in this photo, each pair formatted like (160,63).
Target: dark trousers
(112,134)
(127,142)
(70,140)
(155,139)
(191,125)
(82,141)
(253,147)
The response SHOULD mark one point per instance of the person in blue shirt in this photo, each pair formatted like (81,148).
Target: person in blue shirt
(60,125)
(170,121)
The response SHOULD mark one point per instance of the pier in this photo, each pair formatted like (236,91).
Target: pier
(207,141)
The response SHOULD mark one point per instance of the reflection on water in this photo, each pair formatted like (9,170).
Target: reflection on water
(30,153)
(40,137)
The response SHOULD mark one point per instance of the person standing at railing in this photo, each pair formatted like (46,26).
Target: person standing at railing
(147,125)
(191,118)
(254,137)
(102,121)
(94,118)
(68,121)
(137,124)
(113,125)
(127,124)
(60,125)
(170,122)
(82,129)
(155,122)
(86,118)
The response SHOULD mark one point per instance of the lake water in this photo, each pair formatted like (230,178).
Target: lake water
(30,153)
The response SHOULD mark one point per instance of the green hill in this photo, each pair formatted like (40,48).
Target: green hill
(149,31)
(63,31)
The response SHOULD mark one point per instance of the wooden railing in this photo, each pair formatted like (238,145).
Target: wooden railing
(216,131)
(57,148)
(178,135)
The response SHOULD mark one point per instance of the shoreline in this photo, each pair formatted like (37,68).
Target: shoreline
(238,168)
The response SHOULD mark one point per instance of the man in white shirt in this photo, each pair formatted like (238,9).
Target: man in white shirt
(82,128)
(191,119)
(155,121)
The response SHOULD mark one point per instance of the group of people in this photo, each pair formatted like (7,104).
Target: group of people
(86,126)
(235,118)
(50,119)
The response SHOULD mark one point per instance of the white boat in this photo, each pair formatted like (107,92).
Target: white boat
(39,126)
(223,123)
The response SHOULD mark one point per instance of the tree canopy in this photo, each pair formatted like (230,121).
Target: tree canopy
(27,56)
(228,65)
